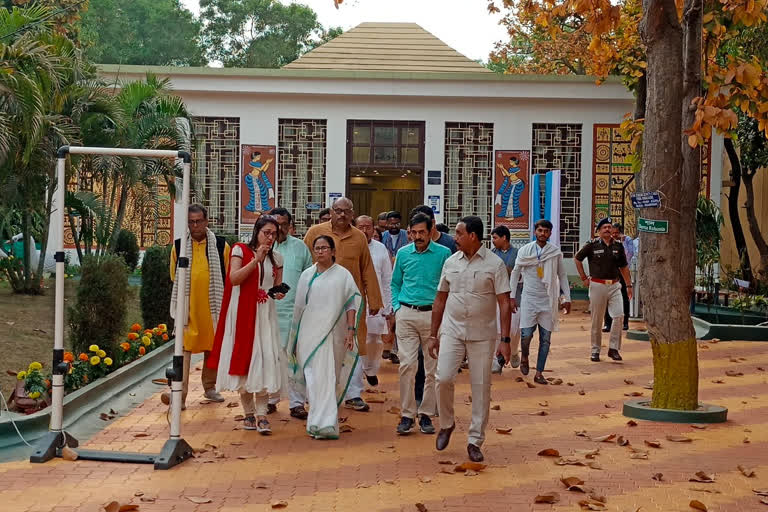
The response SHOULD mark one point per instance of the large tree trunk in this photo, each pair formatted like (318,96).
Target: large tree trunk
(754,226)
(667,273)
(733,211)
(49,193)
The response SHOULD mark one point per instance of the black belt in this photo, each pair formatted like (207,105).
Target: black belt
(417,308)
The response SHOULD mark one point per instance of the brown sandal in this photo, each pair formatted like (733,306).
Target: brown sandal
(249,423)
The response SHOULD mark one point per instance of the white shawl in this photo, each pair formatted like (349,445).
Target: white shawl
(549,257)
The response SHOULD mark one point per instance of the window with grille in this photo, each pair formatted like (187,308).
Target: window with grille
(468,172)
(301,168)
(216,164)
(558,146)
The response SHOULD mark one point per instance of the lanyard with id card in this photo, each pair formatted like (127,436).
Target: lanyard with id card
(539,267)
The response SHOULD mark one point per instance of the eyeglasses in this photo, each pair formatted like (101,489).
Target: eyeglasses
(271,234)
(322,248)
(197,221)
(342,211)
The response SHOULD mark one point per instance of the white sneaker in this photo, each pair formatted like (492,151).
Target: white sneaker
(213,396)
(515,361)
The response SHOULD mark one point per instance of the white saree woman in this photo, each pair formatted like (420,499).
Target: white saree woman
(323,349)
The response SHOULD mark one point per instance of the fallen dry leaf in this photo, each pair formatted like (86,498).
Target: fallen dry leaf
(279,504)
(549,452)
(199,500)
(495,407)
(653,444)
(346,428)
(587,454)
(581,433)
(471,472)
(239,417)
(592,505)
(538,413)
(746,440)
(696,504)
(424,479)
(608,406)
(582,392)
(544,404)
(639,455)
(621,441)
(733,360)
(708,491)
(628,381)
(557,382)
(631,423)
(570,461)
(69,454)
(747,472)
(718,381)
(128,508)
(389,482)
(699,426)
(236,443)
(594,465)
(634,393)
(147,499)
(388,449)
(764,501)
(715,340)
(733,373)
(760,369)
(760,492)
(551,497)
(112,506)
(394,410)
(570,384)
(363,485)
(446,462)
(246,457)
(141,434)
(586,373)
(658,477)
(421,507)
(505,430)
(375,400)
(530,385)
(679,439)
(447,471)
(572,480)
(519,379)
(232,405)
(604,439)
(261,485)
(467,466)
(703,478)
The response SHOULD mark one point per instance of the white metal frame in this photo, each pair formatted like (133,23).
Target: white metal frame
(176,449)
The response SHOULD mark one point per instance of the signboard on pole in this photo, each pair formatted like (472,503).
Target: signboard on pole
(646,200)
(652,226)
(434,203)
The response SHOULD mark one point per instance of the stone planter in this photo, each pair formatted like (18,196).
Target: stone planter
(84,400)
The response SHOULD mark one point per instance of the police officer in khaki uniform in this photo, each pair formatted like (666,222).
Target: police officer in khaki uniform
(607,261)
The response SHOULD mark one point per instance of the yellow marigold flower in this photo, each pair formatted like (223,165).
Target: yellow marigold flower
(21,375)
(35,366)
(95,360)
(163,327)
(101,353)
(93,348)
(146,341)
(108,361)
(156,331)
(35,394)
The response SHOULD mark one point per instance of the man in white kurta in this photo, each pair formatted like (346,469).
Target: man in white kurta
(377,324)
(544,279)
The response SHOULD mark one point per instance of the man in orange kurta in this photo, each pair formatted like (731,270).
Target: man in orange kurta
(353,254)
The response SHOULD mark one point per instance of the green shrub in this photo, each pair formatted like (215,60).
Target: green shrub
(156,286)
(98,316)
(128,248)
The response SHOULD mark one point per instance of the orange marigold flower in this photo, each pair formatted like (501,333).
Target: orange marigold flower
(69,357)
(133,336)
(83,356)
(142,351)
(125,346)
(47,383)
(165,337)
(135,327)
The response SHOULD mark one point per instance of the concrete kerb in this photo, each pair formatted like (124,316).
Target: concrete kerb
(85,400)
(706,413)
(707,331)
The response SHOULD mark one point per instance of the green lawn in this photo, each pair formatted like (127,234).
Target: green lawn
(26,327)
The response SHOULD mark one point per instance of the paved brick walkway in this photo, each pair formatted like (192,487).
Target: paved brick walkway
(371,468)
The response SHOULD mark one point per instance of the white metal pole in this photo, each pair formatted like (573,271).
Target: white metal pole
(181,311)
(57,391)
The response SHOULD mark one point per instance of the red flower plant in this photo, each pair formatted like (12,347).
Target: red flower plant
(261,296)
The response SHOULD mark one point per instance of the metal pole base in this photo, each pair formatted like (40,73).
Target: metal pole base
(175,451)
(50,446)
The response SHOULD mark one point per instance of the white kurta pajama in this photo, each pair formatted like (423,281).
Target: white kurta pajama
(320,362)
(377,324)
(264,374)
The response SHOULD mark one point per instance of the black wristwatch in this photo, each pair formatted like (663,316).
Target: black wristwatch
(506,339)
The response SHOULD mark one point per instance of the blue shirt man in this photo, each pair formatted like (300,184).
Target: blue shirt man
(394,238)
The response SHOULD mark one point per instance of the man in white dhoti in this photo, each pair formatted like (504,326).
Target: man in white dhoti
(544,279)
(323,350)
(377,324)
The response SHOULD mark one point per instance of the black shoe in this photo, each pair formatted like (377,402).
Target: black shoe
(614,354)
(539,379)
(299,412)
(393,357)
(595,358)
(475,455)
(444,437)
(385,354)
(606,329)
(271,408)
(524,368)
(405,426)
(425,425)
(626,327)
(372,380)
(357,404)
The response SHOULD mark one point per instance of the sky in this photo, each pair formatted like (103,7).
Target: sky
(464,25)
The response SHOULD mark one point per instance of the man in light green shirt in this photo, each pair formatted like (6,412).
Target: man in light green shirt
(296,259)
(414,285)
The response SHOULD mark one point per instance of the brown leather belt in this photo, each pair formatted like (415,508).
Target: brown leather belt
(417,308)
(604,281)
